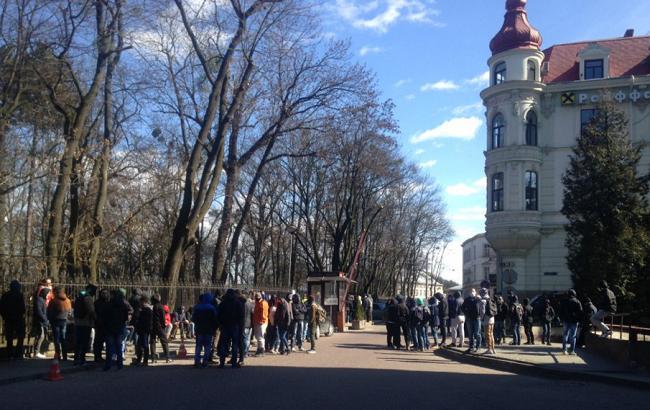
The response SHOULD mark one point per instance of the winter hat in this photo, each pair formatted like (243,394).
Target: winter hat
(483,292)
(122,292)
(418,301)
(572,293)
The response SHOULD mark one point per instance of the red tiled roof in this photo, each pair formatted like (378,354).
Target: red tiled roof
(628,56)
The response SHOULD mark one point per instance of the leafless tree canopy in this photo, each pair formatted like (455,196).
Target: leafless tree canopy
(212,141)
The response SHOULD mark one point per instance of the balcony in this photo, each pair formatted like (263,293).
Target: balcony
(513,232)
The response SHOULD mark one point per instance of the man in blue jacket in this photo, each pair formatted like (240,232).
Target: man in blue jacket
(205,324)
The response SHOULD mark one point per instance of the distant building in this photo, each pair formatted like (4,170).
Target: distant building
(537,104)
(479,263)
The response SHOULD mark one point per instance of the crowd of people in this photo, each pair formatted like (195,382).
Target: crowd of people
(106,321)
(487,320)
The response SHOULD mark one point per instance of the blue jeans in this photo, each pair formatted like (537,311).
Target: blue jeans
(229,336)
(434,332)
(499,326)
(413,333)
(142,341)
(297,332)
(203,342)
(115,345)
(516,333)
(58,333)
(569,336)
(283,332)
(423,338)
(546,332)
(474,333)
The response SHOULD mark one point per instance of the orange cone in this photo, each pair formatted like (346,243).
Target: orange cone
(182,352)
(55,371)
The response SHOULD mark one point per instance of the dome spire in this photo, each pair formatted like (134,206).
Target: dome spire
(516,31)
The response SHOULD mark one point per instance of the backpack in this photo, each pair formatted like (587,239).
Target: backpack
(419,313)
(321,314)
(426,314)
(491,310)
(518,310)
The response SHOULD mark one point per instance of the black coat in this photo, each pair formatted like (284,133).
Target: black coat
(471,308)
(117,315)
(607,301)
(231,311)
(443,309)
(249,306)
(502,311)
(144,325)
(101,308)
(402,314)
(84,310)
(571,310)
(12,306)
(40,312)
(158,323)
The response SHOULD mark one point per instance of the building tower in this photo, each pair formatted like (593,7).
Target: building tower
(514,157)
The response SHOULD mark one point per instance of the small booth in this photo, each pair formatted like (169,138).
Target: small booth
(329,290)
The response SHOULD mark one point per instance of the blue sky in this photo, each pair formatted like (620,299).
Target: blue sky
(430,59)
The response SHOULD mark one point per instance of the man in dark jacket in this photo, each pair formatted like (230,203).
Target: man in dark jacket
(500,320)
(143,328)
(231,315)
(528,321)
(298,311)
(606,304)
(283,321)
(570,313)
(471,309)
(158,329)
(402,320)
(443,317)
(84,320)
(12,308)
(101,306)
(40,322)
(116,320)
(205,323)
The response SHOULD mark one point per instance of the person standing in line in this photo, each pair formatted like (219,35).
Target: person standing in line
(443,317)
(159,329)
(489,320)
(500,320)
(205,323)
(260,322)
(606,304)
(101,304)
(283,322)
(298,311)
(403,320)
(231,315)
(84,321)
(117,320)
(388,322)
(143,329)
(12,309)
(516,317)
(422,330)
(457,317)
(58,312)
(312,317)
(40,322)
(570,313)
(415,317)
(472,309)
(247,327)
(589,310)
(434,320)
(548,315)
(528,321)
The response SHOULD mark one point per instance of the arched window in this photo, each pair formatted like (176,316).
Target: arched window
(498,127)
(499,73)
(532,71)
(531,191)
(531,128)
(497,192)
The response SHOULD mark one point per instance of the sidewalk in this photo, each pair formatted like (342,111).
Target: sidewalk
(32,369)
(549,361)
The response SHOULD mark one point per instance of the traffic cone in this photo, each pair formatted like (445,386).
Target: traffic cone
(55,371)
(182,351)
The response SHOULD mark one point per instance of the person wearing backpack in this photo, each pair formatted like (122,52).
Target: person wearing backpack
(403,317)
(434,320)
(516,317)
(606,304)
(488,320)
(500,320)
(312,315)
(443,317)
(548,315)
(457,317)
(528,320)
(570,313)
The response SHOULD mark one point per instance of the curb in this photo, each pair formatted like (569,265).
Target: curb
(519,367)
(43,375)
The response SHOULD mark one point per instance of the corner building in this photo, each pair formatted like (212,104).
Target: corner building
(537,103)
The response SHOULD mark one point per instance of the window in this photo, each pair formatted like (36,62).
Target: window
(497,192)
(531,128)
(499,73)
(486,273)
(531,191)
(594,69)
(586,117)
(498,125)
(532,71)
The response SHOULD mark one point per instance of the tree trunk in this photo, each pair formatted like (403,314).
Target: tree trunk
(218,258)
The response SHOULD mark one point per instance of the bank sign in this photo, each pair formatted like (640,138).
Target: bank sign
(621,96)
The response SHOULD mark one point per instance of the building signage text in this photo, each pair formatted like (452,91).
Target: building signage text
(634,96)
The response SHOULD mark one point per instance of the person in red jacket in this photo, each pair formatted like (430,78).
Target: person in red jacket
(260,322)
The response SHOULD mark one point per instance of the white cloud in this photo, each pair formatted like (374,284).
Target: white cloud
(465,128)
(365,50)
(443,85)
(419,151)
(409,97)
(380,15)
(473,213)
(481,80)
(400,83)
(476,108)
(428,164)
(464,189)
